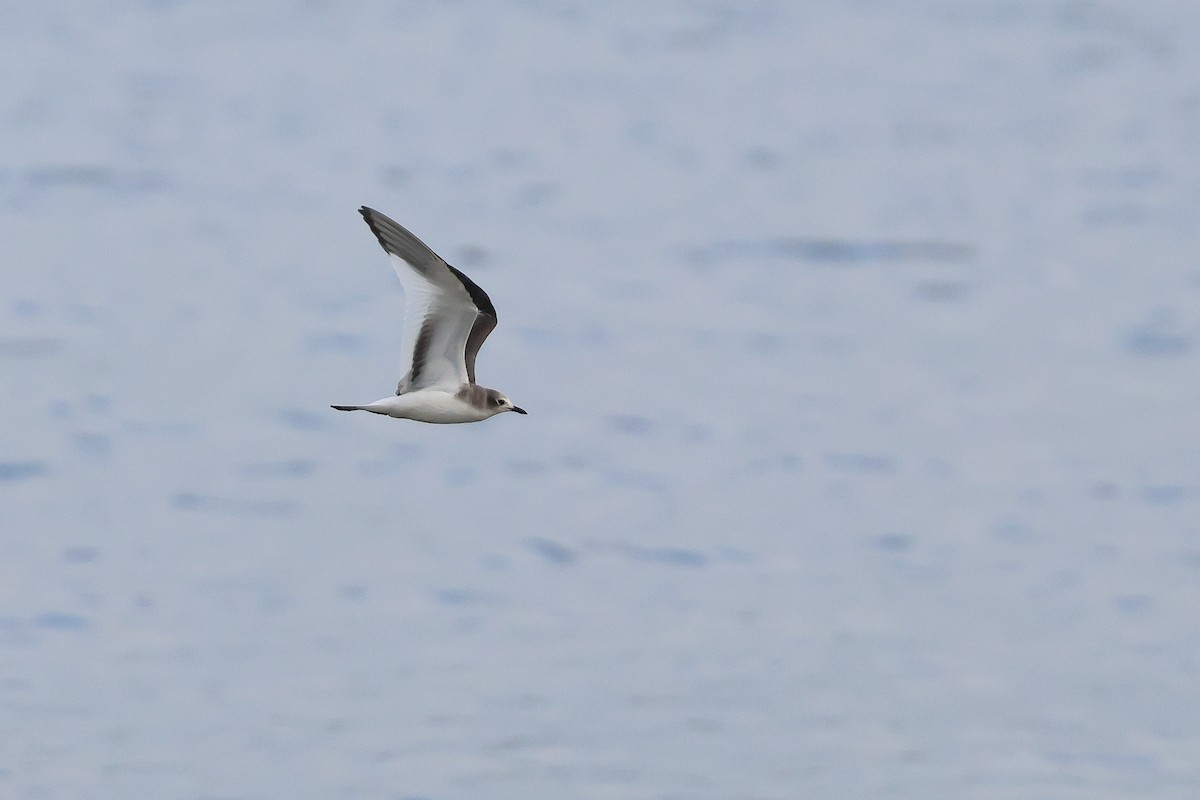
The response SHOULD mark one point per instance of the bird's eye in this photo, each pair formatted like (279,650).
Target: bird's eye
(497,401)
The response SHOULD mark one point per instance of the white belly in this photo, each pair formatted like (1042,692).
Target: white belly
(429,405)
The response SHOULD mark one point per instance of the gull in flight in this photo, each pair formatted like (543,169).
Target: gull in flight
(446,319)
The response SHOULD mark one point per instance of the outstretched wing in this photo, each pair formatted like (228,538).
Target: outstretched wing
(446,316)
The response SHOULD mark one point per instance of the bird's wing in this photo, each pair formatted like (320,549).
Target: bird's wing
(446,316)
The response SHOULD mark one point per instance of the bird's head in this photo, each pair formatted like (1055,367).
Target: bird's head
(500,403)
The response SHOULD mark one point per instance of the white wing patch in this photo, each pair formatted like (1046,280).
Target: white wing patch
(436,326)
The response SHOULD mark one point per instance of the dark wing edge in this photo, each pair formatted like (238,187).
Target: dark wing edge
(420,356)
(478,296)
(397,240)
(485,323)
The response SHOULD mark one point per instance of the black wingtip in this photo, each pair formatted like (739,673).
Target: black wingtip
(368,214)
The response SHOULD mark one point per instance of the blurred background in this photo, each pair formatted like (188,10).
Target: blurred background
(859,341)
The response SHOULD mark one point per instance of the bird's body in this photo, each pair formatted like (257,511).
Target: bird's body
(435,405)
(446,319)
